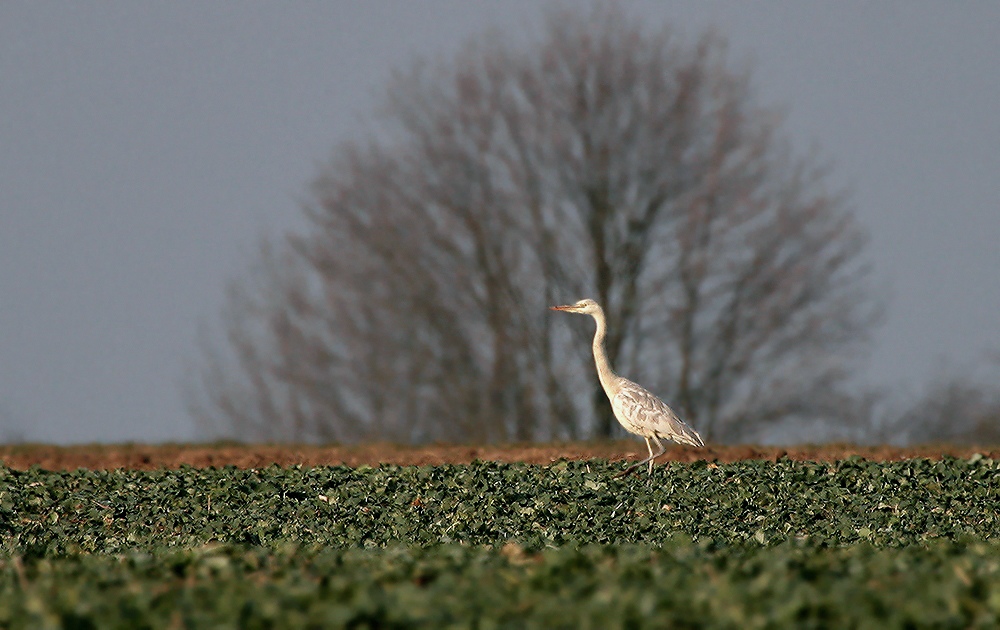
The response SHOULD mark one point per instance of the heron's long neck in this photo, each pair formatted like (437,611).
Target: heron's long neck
(604,371)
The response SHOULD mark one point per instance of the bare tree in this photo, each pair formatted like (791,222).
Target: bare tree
(599,160)
(956,411)
(960,409)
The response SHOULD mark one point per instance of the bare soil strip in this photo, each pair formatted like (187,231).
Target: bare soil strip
(145,457)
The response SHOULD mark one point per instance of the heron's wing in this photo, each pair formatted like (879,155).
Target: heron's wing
(643,413)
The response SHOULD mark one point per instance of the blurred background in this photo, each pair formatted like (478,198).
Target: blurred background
(208,215)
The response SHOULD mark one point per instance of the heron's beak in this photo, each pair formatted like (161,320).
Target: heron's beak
(568,307)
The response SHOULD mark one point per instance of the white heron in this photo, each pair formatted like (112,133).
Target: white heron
(638,410)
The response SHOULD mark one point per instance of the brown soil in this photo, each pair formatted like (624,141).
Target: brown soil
(141,456)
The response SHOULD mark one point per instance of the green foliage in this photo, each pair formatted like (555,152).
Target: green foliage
(679,584)
(750,544)
(570,503)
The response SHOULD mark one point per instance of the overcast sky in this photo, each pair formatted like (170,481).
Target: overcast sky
(145,147)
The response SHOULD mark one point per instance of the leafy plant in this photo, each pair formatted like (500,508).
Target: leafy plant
(679,584)
(751,544)
(570,503)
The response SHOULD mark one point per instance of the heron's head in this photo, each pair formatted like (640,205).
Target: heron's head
(586,307)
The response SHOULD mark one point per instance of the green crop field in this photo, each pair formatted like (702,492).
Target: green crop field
(743,545)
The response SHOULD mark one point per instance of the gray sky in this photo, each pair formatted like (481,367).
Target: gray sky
(144,148)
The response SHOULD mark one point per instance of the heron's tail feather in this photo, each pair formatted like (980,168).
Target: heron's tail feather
(688,436)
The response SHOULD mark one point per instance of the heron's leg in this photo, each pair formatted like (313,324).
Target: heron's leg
(629,470)
(652,458)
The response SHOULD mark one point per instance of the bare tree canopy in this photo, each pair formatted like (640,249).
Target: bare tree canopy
(959,406)
(600,159)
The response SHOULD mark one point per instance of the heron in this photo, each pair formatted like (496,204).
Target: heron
(637,410)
